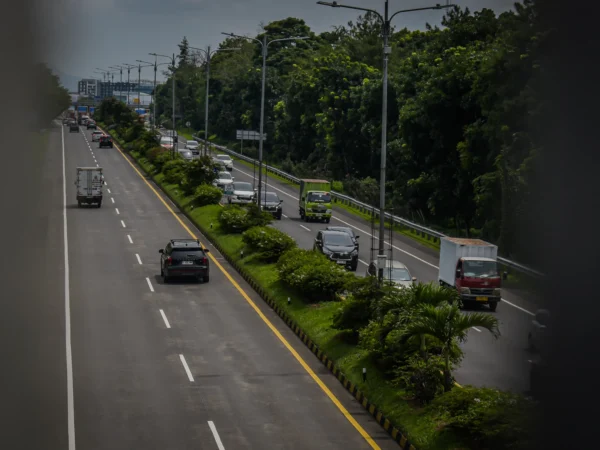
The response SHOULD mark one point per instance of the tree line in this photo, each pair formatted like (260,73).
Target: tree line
(462,107)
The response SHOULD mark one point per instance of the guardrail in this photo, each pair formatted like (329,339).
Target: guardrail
(423,231)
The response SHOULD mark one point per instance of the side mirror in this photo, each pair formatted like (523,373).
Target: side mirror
(356,237)
(161,251)
(458,274)
(280,202)
(414,279)
(233,178)
(205,250)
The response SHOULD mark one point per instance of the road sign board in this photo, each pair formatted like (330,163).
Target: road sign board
(188,124)
(92,109)
(82,109)
(249,135)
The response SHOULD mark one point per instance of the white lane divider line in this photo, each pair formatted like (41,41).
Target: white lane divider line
(117,210)
(162,313)
(105,183)
(130,240)
(138,258)
(187,369)
(286,217)
(97,165)
(123,223)
(362,262)
(215,433)
(149,284)
(307,229)
(112,199)
(108,190)
(476,329)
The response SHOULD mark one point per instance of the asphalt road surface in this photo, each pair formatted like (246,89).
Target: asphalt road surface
(186,365)
(502,363)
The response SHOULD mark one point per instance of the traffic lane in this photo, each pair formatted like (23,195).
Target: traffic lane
(501,364)
(129,391)
(407,248)
(32,332)
(252,380)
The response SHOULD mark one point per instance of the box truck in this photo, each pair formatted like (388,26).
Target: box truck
(470,266)
(315,200)
(89,182)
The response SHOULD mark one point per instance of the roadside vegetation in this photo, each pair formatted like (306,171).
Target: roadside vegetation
(407,339)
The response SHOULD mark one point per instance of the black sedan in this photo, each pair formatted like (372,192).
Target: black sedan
(348,231)
(272,204)
(338,247)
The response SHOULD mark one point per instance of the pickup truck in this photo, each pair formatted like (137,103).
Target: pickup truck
(470,266)
(315,200)
(89,182)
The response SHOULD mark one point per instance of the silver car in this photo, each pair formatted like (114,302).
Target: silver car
(223,180)
(193,146)
(394,271)
(240,192)
(225,161)
(186,154)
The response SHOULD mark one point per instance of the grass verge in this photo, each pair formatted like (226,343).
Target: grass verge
(420,425)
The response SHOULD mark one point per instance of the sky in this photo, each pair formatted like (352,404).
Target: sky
(90,34)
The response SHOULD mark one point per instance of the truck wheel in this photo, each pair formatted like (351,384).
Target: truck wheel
(493,306)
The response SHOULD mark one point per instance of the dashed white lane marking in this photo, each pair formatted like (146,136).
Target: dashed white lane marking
(117,210)
(215,433)
(149,284)
(112,199)
(123,223)
(307,229)
(187,369)
(476,329)
(139,259)
(130,240)
(162,313)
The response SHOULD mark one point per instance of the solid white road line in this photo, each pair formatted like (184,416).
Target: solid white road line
(187,369)
(149,284)
(123,223)
(112,199)
(307,229)
(130,240)
(162,313)
(69,353)
(138,258)
(117,210)
(216,435)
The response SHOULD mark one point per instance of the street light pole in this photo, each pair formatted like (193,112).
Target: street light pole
(175,140)
(129,67)
(154,89)
(208,55)
(120,68)
(264,45)
(387,50)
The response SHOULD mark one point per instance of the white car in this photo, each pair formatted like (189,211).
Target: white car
(96,135)
(239,192)
(394,271)
(186,154)
(223,180)
(225,161)
(193,146)
(166,142)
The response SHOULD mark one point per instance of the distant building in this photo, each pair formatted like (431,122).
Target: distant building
(88,87)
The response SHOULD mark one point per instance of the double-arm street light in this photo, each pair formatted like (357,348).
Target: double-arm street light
(153,90)
(156,55)
(387,50)
(140,77)
(120,69)
(129,67)
(265,46)
(208,55)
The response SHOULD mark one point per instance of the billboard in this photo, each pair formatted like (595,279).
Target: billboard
(82,109)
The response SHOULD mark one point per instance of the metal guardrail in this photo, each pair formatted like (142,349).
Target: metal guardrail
(423,231)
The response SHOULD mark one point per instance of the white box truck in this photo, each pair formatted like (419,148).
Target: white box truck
(470,266)
(89,182)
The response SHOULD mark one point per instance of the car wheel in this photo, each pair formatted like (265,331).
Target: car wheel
(279,216)
(327,220)
(354,267)
(493,306)
(206,279)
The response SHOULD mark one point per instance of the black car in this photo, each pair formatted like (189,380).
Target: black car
(348,230)
(91,125)
(338,246)
(184,258)
(73,127)
(105,141)
(272,204)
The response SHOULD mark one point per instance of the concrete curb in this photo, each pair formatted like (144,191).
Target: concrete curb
(371,408)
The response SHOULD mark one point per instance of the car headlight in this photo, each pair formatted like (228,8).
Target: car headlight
(329,211)
(327,251)
(354,252)
(497,292)
(465,290)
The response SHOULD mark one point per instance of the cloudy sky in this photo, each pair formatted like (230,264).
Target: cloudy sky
(99,33)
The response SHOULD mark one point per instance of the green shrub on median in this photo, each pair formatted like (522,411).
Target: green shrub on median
(207,194)
(313,274)
(174,171)
(235,219)
(269,243)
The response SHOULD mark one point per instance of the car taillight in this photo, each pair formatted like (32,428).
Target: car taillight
(169,261)
(205,260)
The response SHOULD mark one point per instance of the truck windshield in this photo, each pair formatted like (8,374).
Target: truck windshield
(319,197)
(480,269)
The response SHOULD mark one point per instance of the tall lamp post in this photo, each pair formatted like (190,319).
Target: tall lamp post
(265,46)
(140,80)
(208,55)
(120,69)
(129,67)
(155,65)
(387,50)
(156,55)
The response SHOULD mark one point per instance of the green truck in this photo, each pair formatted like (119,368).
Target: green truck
(315,200)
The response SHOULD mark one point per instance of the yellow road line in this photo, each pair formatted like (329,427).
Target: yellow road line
(283,340)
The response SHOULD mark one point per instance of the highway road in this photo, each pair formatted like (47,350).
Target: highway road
(501,363)
(186,365)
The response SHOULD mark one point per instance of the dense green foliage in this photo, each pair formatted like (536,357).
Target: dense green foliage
(461,141)
(237,219)
(267,242)
(51,96)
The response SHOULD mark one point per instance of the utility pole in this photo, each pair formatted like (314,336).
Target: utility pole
(175,140)
(129,67)
(387,50)
(265,46)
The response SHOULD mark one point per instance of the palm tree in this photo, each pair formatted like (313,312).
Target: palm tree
(450,326)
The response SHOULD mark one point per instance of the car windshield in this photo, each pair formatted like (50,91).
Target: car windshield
(319,197)
(224,176)
(397,274)
(271,197)
(338,239)
(187,250)
(242,186)
(343,230)
(480,269)
(166,140)
(224,157)
(192,143)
